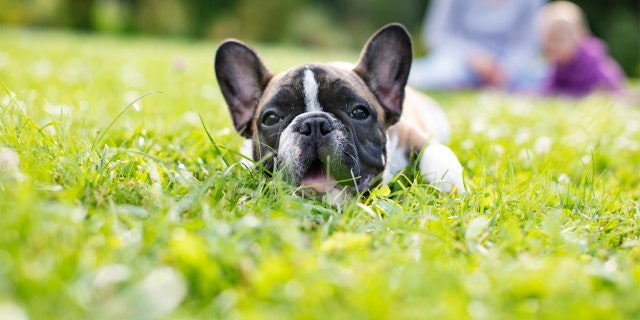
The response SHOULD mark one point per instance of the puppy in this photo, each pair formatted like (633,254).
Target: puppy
(336,128)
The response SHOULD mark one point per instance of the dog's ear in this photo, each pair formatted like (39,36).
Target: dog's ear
(384,66)
(242,78)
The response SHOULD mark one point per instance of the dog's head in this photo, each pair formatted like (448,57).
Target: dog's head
(322,125)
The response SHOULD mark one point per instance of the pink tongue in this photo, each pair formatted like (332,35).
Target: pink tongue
(318,182)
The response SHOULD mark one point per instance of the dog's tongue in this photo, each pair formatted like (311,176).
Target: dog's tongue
(317,180)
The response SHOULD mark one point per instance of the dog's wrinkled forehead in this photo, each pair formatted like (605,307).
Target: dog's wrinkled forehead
(317,87)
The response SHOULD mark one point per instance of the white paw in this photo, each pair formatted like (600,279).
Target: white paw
(440,166)
(246,150)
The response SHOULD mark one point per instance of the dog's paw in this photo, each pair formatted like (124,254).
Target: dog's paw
(440,166)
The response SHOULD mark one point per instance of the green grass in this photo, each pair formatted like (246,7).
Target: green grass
(122,206)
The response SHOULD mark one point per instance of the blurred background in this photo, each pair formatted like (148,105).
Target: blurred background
(312,23)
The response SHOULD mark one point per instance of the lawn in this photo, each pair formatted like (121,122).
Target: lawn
(121,197)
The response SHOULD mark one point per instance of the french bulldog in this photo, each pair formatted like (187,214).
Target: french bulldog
(338,128)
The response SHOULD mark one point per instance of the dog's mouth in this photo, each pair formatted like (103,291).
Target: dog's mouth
(317,179)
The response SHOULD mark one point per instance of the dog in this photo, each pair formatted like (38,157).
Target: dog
(337,128)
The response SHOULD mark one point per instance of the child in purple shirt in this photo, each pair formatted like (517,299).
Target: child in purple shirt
(579,62)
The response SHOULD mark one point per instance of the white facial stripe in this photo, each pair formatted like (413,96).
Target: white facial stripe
(310,92)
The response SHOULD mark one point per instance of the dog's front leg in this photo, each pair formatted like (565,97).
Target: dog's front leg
(441,168)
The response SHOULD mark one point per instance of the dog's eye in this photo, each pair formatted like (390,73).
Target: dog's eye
(271,119)
(359,113)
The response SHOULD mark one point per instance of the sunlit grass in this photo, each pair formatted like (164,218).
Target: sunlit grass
(121,197)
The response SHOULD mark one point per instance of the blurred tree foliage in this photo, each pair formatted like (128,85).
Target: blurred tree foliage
(327,23)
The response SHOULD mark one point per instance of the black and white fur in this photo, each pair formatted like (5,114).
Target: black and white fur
(330,128)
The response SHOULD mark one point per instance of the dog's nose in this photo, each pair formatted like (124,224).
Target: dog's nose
(316,126)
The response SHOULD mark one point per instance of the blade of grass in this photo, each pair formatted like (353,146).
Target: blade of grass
(104,132)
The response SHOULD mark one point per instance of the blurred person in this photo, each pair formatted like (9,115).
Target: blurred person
(579,61)
(480,43)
